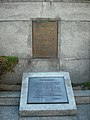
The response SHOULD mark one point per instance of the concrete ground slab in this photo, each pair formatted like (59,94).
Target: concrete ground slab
(50,118)
(11,113)
(84,112)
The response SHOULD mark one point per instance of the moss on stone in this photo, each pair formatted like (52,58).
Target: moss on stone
(83,86)
(87,84)
(7,64)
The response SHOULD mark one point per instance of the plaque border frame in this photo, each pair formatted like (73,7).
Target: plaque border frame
(47,102)
(48,57)
(58,20)
(47,109)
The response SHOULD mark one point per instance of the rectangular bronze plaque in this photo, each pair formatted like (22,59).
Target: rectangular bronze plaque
(45,39)
(46,90)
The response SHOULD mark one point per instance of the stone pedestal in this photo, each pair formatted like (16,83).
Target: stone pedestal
(41,101)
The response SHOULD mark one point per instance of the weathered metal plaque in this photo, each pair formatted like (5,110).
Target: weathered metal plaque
(45,39)
(46,90)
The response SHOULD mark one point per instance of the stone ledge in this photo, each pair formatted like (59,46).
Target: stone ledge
(82,96)
(9,98)
(12,88)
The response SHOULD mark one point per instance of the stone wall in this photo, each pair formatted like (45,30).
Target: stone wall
(16,35)
(44,0)
(75,49)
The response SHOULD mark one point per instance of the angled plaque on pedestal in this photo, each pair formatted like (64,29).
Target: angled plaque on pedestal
(47,94)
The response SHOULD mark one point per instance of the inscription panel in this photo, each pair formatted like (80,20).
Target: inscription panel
(45,39)
(46,90)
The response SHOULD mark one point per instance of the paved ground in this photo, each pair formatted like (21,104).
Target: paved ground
(11,113)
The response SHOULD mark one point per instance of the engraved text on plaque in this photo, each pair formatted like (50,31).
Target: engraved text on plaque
(45,39)
(47,90)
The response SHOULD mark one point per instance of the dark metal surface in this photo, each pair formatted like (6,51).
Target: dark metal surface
(46,90)
(45,39)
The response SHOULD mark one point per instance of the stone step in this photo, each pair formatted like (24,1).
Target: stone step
(82,96)
(12,88)
(13,98)
(17,88)
(9,98)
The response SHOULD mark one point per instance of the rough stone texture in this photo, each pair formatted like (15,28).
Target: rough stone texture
(85,114)
(39,65)
(82,100)
(22,0)
(79,69)
(15,38)
(75,50)
(9,98)
(82,93)
(9,101)
(6,87)
(75,39)
(16,76)
(82,96)
(44,0)
(28,10)
(11,113)
(68,0)
(50,118)
(9,94)
(29,65)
